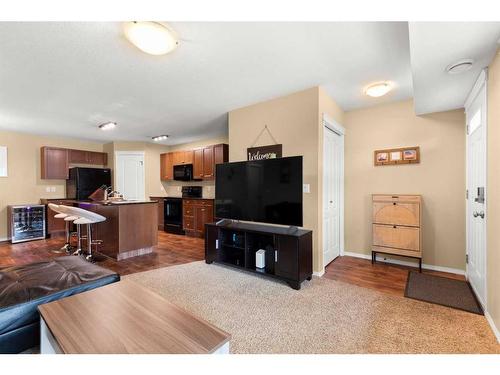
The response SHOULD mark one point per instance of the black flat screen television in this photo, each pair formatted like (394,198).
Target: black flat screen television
(268,191)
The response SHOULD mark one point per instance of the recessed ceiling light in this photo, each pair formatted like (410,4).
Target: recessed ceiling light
(159,138)
(460,66)
(378,89)
(107,126)
(151,37)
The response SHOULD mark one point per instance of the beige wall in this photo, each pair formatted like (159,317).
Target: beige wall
(439,178)
(493,191)
(23,184)
(294,121)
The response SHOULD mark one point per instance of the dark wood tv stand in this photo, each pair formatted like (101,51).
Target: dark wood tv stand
(288,249)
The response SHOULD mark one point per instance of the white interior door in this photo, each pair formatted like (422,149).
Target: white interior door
(476,193)
(333,168)
(129,175)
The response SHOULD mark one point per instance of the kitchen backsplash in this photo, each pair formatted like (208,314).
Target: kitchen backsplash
(173,188)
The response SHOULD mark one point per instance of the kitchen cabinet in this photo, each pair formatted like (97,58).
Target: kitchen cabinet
(203,159)
(87,157)
(166,167)
(208,163)
(54,163)
(221,153)
(197,213)
(198,163)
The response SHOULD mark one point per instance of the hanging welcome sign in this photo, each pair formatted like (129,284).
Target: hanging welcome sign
(265,152)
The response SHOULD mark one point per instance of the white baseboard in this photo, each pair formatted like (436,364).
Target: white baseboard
(492,325)
(405,263)
(319,274)
(4,239)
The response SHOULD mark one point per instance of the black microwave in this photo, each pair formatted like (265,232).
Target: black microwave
(183,172)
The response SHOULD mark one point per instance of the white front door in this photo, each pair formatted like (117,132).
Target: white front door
(130,175)
(476,199)
(332,198)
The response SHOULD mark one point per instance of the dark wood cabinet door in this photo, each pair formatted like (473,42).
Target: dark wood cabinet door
(286,257)
(188,157)
(97,158)
(211,236)
(198,163)
(161,208)
(54,163)
(204,214)
(208,162)
(221,153)
(166,167)
(78,156)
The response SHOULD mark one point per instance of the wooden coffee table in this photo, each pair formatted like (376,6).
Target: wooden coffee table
(125,318)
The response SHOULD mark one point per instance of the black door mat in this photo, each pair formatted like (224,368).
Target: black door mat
(457,294)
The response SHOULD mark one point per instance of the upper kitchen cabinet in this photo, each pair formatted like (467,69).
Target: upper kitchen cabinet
(87,157)
(203,160)
(166,166)
(55,161)
(182,157)
(198,163)
(208,163)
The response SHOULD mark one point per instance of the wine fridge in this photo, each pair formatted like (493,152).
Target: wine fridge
(26,222)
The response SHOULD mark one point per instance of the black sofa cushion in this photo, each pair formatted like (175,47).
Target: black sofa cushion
(23,288)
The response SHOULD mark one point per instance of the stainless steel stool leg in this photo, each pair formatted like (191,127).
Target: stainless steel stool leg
(67,246)
(89,244)
(78,250)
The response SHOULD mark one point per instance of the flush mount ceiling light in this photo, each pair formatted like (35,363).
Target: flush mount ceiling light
(378,89)
(460,66)
(159,138)
(107,126)
(151,37)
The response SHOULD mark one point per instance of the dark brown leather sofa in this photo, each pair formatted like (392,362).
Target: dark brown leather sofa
(23,288)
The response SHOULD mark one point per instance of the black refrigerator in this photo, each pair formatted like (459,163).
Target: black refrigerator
(82,182)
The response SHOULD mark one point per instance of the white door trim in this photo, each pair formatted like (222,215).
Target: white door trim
(334,126)
(481,82)
(137,153)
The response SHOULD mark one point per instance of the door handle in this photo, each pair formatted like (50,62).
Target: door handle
(276,256)
(475,214)
(481,214)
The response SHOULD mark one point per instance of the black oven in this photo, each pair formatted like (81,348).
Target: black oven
(173,215)
(183,172)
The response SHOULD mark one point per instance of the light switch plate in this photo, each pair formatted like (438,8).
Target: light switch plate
(306,188)
(52,189)
(47,189)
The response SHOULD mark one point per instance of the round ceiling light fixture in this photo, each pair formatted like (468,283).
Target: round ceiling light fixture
(151,37)
(460,66)
(376,90)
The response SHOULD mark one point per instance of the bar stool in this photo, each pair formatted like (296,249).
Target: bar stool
(87,218)
(71,217)
(60,214)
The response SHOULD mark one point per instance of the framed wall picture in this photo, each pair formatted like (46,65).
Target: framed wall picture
(392,156)
(3,161)
(381,157)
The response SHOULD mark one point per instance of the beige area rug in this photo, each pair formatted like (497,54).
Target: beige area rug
(325,316)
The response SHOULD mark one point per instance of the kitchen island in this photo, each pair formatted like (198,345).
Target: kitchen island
(130,228)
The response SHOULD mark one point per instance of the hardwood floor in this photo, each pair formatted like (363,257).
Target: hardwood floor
(172,249)
(384,277)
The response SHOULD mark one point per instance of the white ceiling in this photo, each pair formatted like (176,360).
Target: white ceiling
(434,46)
(66,78)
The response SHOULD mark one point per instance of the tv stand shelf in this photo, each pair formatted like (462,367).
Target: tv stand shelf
(288,255)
